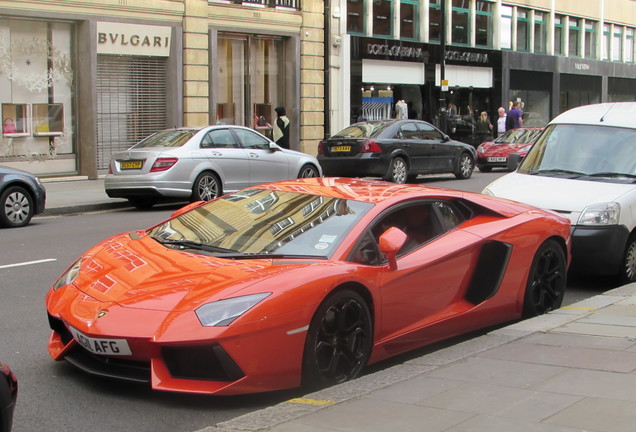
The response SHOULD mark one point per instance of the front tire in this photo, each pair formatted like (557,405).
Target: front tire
(546,281)
(339,340)
(397,171)
(627,273)
(17,207)
(206,187)
(308,171)
(466,166)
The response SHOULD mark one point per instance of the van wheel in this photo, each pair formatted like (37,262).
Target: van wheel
(627,273)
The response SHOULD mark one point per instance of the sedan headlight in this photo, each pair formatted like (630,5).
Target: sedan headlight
(600,214)
(224,312)
(69,275)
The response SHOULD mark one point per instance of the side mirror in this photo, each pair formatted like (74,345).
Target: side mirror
(186,208)
(273,147)
(445,138)
(391,241)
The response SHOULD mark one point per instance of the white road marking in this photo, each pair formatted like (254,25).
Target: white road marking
(26,263)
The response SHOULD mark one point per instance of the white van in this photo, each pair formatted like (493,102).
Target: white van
(583,166)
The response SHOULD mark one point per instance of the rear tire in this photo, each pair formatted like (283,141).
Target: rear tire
(207,187)
(466,166)
(397,171)
(545,287)
(308,171)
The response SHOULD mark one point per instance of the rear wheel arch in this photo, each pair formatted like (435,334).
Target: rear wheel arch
(196,193)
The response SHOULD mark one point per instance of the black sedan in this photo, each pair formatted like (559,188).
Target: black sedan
(22,195)
(8,395)
(396,150)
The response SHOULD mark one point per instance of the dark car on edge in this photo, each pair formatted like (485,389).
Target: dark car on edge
(396,150)
(8,396)
(22,195)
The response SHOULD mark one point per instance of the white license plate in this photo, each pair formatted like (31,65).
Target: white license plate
(102,346)
(497,159)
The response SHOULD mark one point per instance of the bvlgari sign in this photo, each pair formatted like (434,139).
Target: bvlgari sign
(133,39)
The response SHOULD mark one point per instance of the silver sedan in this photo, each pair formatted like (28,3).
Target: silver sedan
(201,164)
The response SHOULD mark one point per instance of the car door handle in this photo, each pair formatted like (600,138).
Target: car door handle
(254,155)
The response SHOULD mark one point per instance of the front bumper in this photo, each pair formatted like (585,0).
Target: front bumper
(598,250)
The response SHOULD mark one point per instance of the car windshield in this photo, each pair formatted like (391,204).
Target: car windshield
(362,130)
(259,223)
(585,152)
(166,138)
(516,136)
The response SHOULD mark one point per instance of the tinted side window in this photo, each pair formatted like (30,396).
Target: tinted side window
(408,131)
(428,132)
(252,140)
(219,138)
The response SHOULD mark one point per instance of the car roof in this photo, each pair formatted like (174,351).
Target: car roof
(616,114)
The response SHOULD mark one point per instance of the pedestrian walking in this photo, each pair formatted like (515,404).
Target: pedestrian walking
(515,116)
(484,127)
(281,128)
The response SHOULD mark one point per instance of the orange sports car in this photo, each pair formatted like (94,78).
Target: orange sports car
(302,282)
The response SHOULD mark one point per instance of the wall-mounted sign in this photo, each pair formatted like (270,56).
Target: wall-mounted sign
(133,39)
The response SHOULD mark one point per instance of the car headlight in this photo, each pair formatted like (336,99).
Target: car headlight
(69,275)
(600,214)
(224,312)
(480,149)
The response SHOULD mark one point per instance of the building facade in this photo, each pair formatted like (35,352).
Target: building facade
(80,80)
(456,58)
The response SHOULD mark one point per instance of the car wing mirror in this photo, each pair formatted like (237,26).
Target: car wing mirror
(445,138)
(186,208)
(273,147)
(391,241)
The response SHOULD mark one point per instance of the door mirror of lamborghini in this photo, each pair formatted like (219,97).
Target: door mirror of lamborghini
(391,241)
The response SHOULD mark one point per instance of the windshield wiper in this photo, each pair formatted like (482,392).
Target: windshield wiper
(559,171)
(612,174)
(189,244)
(265,255)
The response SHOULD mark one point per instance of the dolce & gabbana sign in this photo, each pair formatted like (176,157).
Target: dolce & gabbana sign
(466,57)
(133,39)
(389,50)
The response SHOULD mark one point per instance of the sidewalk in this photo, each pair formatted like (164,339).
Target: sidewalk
(571,370)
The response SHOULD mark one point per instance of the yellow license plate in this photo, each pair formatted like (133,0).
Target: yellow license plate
(341,148)
(131,164)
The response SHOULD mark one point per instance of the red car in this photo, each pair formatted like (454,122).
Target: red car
(494,154)
(302,282)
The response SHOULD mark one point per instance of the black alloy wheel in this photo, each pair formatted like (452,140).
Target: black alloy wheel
(206,187)
(17,207)
(546,281)
(308,171)
(339,340)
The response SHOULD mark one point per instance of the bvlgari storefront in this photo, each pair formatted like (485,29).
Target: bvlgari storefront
(73,93)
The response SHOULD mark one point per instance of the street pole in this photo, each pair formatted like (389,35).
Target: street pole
(442,69)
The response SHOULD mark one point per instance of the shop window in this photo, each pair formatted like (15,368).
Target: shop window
(434,21)
(48,119)
(617,43)
(558,35)
(506,27)
(382,17)
(574,34)
(590,39)
(523,30)
(263,119)
(540,33)
(460,25)
(355,16)
(409,22)
(483,24)
(629,45)
(15,120)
